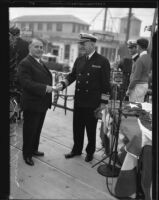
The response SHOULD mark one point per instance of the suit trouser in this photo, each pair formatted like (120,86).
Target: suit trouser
(33,122)
(83,118)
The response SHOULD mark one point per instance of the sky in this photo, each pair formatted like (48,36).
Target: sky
(92,16)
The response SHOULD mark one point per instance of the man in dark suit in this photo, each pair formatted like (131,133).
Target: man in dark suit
(36,83)
(91,73)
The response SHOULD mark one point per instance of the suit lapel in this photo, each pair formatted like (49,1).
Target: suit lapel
(46,69)
(42,66)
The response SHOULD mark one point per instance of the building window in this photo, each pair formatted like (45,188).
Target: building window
(23,24)
(31,26)
(55,50)
(49,26)
(67,51)
(113,55)
(73,28)
(104,52)
(79,28)
(59,27)
(109,53)
(40,26)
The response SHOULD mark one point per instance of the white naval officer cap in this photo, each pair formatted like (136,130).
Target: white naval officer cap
(84,37)
(131,43)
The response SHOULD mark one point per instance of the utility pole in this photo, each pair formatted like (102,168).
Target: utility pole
(153,29)
(128,24)
(105,19)
(154,22)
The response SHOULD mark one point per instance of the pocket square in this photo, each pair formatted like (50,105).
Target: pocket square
(96,66)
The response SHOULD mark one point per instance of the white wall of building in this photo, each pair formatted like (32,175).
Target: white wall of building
(73,54)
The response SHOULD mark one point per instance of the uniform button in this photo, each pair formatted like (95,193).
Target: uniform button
(79,74)
(78,89)
(86,90)
(87,82)
(78,81)
(88,74)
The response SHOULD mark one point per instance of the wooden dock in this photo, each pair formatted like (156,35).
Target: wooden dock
(53,176)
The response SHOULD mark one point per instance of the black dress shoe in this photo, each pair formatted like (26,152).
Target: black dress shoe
(71,155)
(29,161)
(88,157)
(38,153)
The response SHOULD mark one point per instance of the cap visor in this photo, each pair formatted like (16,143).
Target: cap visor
(83,40)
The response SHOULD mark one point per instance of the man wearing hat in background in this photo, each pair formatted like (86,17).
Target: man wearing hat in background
(20,45)
(91,73)
(132,48)
(140,73)
(126,64)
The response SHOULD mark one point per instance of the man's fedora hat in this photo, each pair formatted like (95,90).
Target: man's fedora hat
(85,37)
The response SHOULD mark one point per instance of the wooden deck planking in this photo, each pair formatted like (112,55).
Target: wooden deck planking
(63,134)
(73,178)
(46,181)
(77,167)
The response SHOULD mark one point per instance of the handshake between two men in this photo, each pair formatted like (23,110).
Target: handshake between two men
(56,88)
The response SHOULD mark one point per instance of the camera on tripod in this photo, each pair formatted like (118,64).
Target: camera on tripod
(116,81)
(116,77)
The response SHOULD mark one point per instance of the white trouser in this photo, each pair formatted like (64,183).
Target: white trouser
(138,93)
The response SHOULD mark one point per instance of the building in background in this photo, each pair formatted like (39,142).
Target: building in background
(134,34)
(135,26)
(61,32)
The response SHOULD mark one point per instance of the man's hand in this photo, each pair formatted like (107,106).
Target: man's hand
(127,92)
(49,89)
(98,111)
(103,106)
(58,87)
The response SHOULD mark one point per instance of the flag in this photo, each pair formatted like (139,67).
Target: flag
(105,130)
(137,128)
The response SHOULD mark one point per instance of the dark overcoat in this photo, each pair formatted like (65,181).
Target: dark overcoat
(33,78)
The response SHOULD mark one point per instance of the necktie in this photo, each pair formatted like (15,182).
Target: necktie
(41,63)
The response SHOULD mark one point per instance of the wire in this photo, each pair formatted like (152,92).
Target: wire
(113,23)
(92,21)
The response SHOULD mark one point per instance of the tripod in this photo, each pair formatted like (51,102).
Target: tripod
(109,170)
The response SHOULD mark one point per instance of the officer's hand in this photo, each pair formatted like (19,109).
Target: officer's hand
(127,92)
(49,89)
(103,106)
(98,111)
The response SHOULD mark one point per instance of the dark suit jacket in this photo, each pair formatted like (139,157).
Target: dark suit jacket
(92,80)
(33,79)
